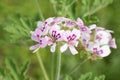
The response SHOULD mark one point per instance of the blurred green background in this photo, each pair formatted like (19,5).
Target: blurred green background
(28,10)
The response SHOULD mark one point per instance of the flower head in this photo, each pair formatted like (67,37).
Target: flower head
(71,34)
(71,40)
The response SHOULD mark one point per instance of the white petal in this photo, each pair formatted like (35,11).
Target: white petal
(77,33)
(85,37)
(80,22)
(104,51)
(112,43)
(66,34)
(44,42)
(76,43)
(64,48)
(53,47)
(93,26)
(49,20)
(34,47)
(54,28)
(92,47)
(49,40)
(73,50)
(103,37)
(61,32)
(39,24)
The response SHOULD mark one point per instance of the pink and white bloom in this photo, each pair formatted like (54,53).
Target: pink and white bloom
(71,41)
(44,26)
(41,43)
(70,23)
(95,40)
(57,21)
(112,43)
(103,37)
(104,51)
(55,36)
(95,48)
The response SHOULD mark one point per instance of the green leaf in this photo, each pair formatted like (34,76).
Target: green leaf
(67,77)
(87,76)
(102,77)
(18,30)
(12,69)
(90,76)
(25,67)
(91,7)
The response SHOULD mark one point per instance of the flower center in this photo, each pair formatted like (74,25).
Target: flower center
(40,42)
(98,37)
(55,35)
(70,38)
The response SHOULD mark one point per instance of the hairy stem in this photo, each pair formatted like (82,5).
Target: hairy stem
(42,66)
(58,66)
(77,66)
(52,66)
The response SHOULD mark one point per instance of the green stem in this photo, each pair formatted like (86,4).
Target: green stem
(52,66)
(40,12)
(58,66)
(77,66)
(42,66)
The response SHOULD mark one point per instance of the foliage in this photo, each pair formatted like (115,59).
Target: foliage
(13,30)
(87,76)
(19,27)
(11,72)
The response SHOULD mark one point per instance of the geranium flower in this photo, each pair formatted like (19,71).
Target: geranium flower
(44,27)
(104,51)
(54,30)
(41,43)
(55,36)
(71,37)
(95,48)
(103,37)
(112,43)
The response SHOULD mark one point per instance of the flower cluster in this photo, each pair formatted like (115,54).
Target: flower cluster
(72,34)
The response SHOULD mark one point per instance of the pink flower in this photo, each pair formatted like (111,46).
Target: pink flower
(55,36)
(104,51)
(71,37)
(70,23)
(85,31)
(57,21)
(54,30)
(80,23)
(41,43)
(44,26)
(95,48)
(112,43)
(103,37)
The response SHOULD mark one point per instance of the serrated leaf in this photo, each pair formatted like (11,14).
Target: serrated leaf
(95,6)
(68,77)
(102,77)
(12,68)
(90,76)
(25,67)
(18,30)
(87,76)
